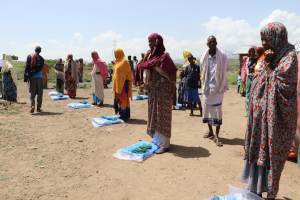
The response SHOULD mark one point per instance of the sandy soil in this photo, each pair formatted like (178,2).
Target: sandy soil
(58,154)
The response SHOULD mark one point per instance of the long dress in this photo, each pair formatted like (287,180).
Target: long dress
(159,109)
(181,99)
(80,73)
(271,124)
(9,87)
(60,78)
(97,85)
(71,85)
(122,102)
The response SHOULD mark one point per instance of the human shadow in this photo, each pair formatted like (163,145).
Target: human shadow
(294,160)
(188,152)
(47,113)
(81,98)
(136,121)
(107,106)
(22,103)
(235,141)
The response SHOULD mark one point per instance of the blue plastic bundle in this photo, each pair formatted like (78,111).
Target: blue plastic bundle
(79,105)
(60,97)
(106,120)
(127,154)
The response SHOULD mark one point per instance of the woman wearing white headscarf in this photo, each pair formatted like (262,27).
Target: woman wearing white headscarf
(9,80)
(71,76)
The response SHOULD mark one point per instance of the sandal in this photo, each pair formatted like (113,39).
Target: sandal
(32,109)
(39,110)
(191,114)
(94,103)
(159,151)
(208,134)
(218,142)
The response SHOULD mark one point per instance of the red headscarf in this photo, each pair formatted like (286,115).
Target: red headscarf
(160,58)
(33,59)
(101,65)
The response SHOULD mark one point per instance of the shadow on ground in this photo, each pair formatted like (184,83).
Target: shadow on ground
(188,152)
(136,121)
(235,141)
(47,113)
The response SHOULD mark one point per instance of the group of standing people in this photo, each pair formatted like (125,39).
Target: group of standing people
(269,79)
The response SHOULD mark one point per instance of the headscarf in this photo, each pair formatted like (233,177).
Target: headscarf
(276,34)
(160,58)
(33,59)
(101,65)
(260,51)
(243,72)
(186,53)
(81,61)
(74,68)
(8,66)
(122,72)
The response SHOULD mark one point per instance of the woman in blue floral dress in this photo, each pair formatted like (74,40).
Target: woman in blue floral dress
(9,80)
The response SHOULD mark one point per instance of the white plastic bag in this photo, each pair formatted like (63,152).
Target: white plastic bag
(242,194)
(237,194)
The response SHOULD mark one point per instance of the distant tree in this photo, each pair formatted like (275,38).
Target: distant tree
(14,57)
(110,65)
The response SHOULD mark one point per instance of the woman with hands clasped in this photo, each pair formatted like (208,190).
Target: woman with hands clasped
(272,113)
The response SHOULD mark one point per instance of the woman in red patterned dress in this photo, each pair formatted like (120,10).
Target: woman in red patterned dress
(160,79)
(272,118)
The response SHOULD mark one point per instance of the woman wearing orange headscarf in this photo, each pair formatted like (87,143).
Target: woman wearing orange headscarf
(122,85)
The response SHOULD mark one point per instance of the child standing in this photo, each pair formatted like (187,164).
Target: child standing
(181,99)
(191,73)
(238,81)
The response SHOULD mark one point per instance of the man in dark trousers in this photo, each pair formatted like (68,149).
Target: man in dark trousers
(192,83)
(131,66)
(33,76)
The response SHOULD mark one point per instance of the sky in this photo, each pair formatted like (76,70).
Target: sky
(80,27)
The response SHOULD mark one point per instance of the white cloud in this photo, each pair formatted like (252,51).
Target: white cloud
(110,35)
(31,45)
(13,43)
(78,36)
(63,46)
(53,41)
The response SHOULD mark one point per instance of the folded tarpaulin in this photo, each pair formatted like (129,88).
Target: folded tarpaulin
(199,93)
(140,97)
(60,97)
(54,93)
(79,105)
(98,122)
(127,154)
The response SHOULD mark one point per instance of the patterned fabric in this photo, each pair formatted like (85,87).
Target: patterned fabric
(248,93)
(122,102)
(9,88)
(71,84)
(181,92)
(80,73)
(272,118)
(159,106)
(142,90)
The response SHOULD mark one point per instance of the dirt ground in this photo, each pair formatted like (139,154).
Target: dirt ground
(58,154)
